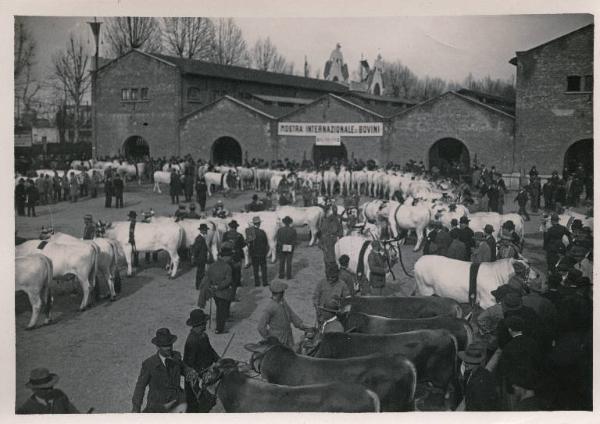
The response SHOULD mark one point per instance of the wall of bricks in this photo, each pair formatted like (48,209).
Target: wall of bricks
(486,133)
(331,110)
(549,119)
(156,120)
(226,118)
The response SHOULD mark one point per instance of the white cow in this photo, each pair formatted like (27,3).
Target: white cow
(447,277)
(161,177)
(407,217)
(369,211)
(309,216)
(168,167)
(33,275)
(566,219)
(359,181)
(329,180)
(344,178)
(81,164)
(106,253)
(479,220)
(191,231)
(352,245)
(67,260)
(149,237)
(49,172)
(270,224)
(445,213)
(246,176)
(217,179)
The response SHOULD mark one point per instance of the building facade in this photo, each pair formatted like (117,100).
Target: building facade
(164,106)
(554,103)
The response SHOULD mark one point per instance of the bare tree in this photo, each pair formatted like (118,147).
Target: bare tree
(399,79)
(126,33)
(265,57)
(26,88)
(189,38)
(71,72)
(229,47)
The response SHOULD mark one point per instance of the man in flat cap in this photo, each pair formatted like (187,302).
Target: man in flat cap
(277,317)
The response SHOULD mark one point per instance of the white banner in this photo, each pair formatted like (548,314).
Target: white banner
(367,129)
(328,140)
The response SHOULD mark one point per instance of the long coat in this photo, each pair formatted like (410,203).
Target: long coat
(276,321)
(218,276)
(199,355)
(377,268)
(163,381)
(331,229)
(200,255)
(480,391)
(259,246)
(56,403)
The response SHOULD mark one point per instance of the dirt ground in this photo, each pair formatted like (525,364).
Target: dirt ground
(98,353)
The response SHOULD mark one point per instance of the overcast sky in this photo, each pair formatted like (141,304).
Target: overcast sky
(446,47)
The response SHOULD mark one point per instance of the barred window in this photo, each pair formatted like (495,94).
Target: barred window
(125,94)
(144,93)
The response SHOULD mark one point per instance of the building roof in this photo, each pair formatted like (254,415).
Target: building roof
(513,61)
(340,99)
(281,99)
(460,96)
(238,102)
(498,102)
(369,96)
(208,69)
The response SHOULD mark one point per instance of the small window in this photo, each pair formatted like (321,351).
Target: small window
(573,83)
(193,94)
(588,83)
(125,94)
(44,139)
(144,93)
(134,94)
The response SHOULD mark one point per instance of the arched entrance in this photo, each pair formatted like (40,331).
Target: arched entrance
(580,152)
(450,156)
(136,147)
(226,150)
(329,153)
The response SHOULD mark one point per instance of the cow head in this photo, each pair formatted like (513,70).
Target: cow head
(531,274)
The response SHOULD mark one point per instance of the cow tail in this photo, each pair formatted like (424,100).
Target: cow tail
(413,387)
(376,401)
(455,375)
(94,270)
(469,330)
(116,277)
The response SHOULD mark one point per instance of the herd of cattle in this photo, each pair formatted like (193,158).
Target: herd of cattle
(391,343)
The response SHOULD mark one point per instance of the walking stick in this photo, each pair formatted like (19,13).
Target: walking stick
(209,311)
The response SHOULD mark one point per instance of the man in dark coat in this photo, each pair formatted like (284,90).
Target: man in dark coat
(258,247)
(199,355)
(256,205)
(175,187)
(218,278)
(118,190)
(329,232)
(237,243)
(189,183)
(200,254)
(377,266)
(442,241)
(521,200)
(488,230)
(553,244)
(32,197)
(466,235)
(191,214)
(286,239)
(479,383)
(108,191)
(161,373)
(20,197)
(45,398)
(201,190)
(457,249)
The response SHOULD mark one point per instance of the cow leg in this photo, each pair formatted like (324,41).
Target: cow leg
(111,286)
(128,251)
(313,235)
(36,306)
(174,263)
(85,287)
(420,236)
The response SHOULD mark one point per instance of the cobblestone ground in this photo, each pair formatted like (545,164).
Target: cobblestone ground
(98,353)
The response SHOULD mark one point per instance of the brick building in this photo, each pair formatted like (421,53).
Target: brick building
(554,104)
(164,106)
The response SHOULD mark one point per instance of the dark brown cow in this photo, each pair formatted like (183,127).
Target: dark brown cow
(392,377)
(432,351)
(240,393)
(405,307)
(372,324)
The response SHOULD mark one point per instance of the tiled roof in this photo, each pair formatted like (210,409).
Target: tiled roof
(281,99)
(239,73)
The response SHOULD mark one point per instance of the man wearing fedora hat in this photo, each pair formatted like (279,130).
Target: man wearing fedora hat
(200,253)
(258,246)
(479,384)
(482,252)
(466,234)
(45,398)
(286,242)
(377,265)
(326,290)
(237,243)
(199,355)
(329,316)
(277,317)
(161,373)
(219,279)
(488,230)
(506,248)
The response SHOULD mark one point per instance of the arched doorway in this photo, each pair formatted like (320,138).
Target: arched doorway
(226,150)
(450,156)
(580,152)
(136,147)
(329,153)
